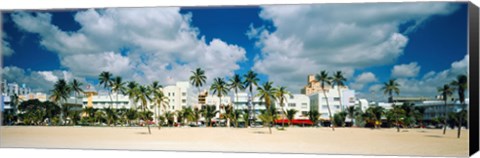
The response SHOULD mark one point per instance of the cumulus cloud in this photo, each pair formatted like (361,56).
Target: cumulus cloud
(143,44)
(363,79)
(310,38)
(38,81)
(427,84)
(6,47)
(405,70)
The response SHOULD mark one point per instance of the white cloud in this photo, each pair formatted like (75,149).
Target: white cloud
(48,75)
(144,44)
(38,81)
(363,79)
(6,47)
(334,37)
(427,85)
(366,77)
(405,70)
(107,61)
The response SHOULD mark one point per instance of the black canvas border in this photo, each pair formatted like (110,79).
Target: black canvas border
(473,51)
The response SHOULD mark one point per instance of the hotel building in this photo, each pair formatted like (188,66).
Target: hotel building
(336,100)
(23,92)
(299,102)
(180,95)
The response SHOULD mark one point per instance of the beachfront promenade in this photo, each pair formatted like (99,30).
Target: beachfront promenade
(419,142)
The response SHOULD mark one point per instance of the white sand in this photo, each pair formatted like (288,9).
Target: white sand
(419,142)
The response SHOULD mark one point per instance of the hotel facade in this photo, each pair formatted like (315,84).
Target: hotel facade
(339,98)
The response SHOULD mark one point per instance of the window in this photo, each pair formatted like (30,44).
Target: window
(184,101)
(168,93)
(336,99)
(291,105)
(173,94)
(304,105)
(337,106)
(291,97)
(184,94)
(304,113)
(324,107)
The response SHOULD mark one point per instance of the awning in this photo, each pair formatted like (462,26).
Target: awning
(295,121)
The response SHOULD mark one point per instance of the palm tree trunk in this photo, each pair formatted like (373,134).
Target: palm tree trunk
(234,109)
(329,111)
(445,118)
(459,126)
(396,120)
(283,113)
(340,98)
(253,106)
(148,124)
(116,101)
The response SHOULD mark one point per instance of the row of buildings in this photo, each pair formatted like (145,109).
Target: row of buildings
(182,95)
(22,92)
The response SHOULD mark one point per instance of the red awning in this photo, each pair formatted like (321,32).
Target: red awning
(295,122)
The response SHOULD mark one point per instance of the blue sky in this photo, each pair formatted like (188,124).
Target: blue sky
(419,44)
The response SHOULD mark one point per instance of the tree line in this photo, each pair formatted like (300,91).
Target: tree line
(148,98)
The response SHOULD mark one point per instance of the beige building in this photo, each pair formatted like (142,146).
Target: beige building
(313,86)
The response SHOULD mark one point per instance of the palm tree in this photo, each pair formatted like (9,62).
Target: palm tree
(76,88)
(198,78)
(105,79)
(186,114)
(390,87)
(324,79)
(251,79)
(461,84)
(158,97)
(60,93)
(143,96)
(280,94)
(89,112)
(351,113)
(180,118)
(169,116)
(208,113)
(236,84)
(397,112)
(267,93)
(195,115)
(131,91)
(111,115)
(235,116)
(266,116)
(118,86)
(339,80)
(246,117)
(220,88)
(313,116)
(228,114)
(132,114)
(377,112)
(290,115)
(446,91)
(99,116)
(15,100)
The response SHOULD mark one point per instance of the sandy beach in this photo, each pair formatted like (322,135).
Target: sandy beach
(414,142)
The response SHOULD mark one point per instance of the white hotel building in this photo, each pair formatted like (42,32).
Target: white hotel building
(337,101)
(299,102)
(180,95)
